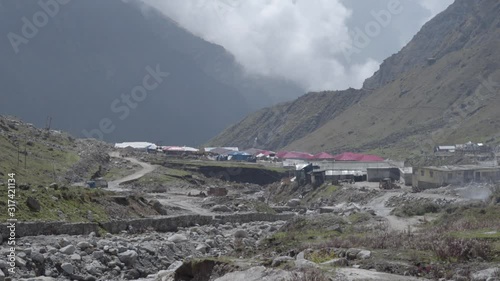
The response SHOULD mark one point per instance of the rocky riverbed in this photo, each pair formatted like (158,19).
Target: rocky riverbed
(128,256)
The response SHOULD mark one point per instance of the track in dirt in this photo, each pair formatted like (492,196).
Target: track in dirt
(146,169)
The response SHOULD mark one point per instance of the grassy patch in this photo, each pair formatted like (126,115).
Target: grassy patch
(493,234)
(321,255)
(72,205)
(410,210)
(359,217)
(324,191)
(42,164)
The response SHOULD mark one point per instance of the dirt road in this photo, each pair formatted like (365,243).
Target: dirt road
(399,223)
(146,169)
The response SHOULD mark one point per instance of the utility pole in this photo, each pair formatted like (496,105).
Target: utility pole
(18,152)
(25,157)
(48,124)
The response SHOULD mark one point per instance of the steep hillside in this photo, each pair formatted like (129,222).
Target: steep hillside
(90,53)
(277,126)
(416,102)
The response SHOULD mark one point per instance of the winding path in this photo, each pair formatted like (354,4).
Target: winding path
(146,169)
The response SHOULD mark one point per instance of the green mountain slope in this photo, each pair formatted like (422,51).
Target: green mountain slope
(414,102)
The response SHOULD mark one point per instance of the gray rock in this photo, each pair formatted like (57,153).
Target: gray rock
(240,234)
(54,186)
(68,268)
(301,256)
(98,255)
(293,203)
(51,250)
(202,248)
(177,238)
(68,250)
(75,257)
(280,260)
(483,275)
(3,264)
(20,262)
(210,242)
(64,242)
(33,204)
(128,257)
(95,268)
(83,245)
(352,254)
(220,208)
(37,257)
(364,255)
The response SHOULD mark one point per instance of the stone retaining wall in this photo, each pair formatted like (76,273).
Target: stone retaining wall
(160,224)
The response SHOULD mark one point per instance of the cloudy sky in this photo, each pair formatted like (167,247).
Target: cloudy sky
(320,44)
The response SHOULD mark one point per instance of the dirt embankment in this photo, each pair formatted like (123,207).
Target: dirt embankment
(241,174)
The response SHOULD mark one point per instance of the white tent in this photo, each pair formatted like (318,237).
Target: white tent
(136,145)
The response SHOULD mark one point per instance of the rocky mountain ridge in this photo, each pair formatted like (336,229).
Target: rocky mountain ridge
(440,88)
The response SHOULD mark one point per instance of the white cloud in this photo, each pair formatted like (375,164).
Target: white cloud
(303,41)
(435,7)
(294,39)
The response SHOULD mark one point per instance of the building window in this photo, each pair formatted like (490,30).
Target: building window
(422,173)
(450,176)
(431,173)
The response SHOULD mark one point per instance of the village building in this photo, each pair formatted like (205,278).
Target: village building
(434,177)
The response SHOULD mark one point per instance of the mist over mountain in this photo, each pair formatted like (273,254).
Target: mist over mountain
(84,63)
(441,88)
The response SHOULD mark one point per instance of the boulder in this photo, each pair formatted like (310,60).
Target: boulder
(128,257)
(20,262)
(54,186)
(68,268)
(37,257)
(364,255)
(83,245)
(68,250)
(352,254)
(98,255)
(177,238)
(293,203)
(240,233)
(64,242)
(33,204)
